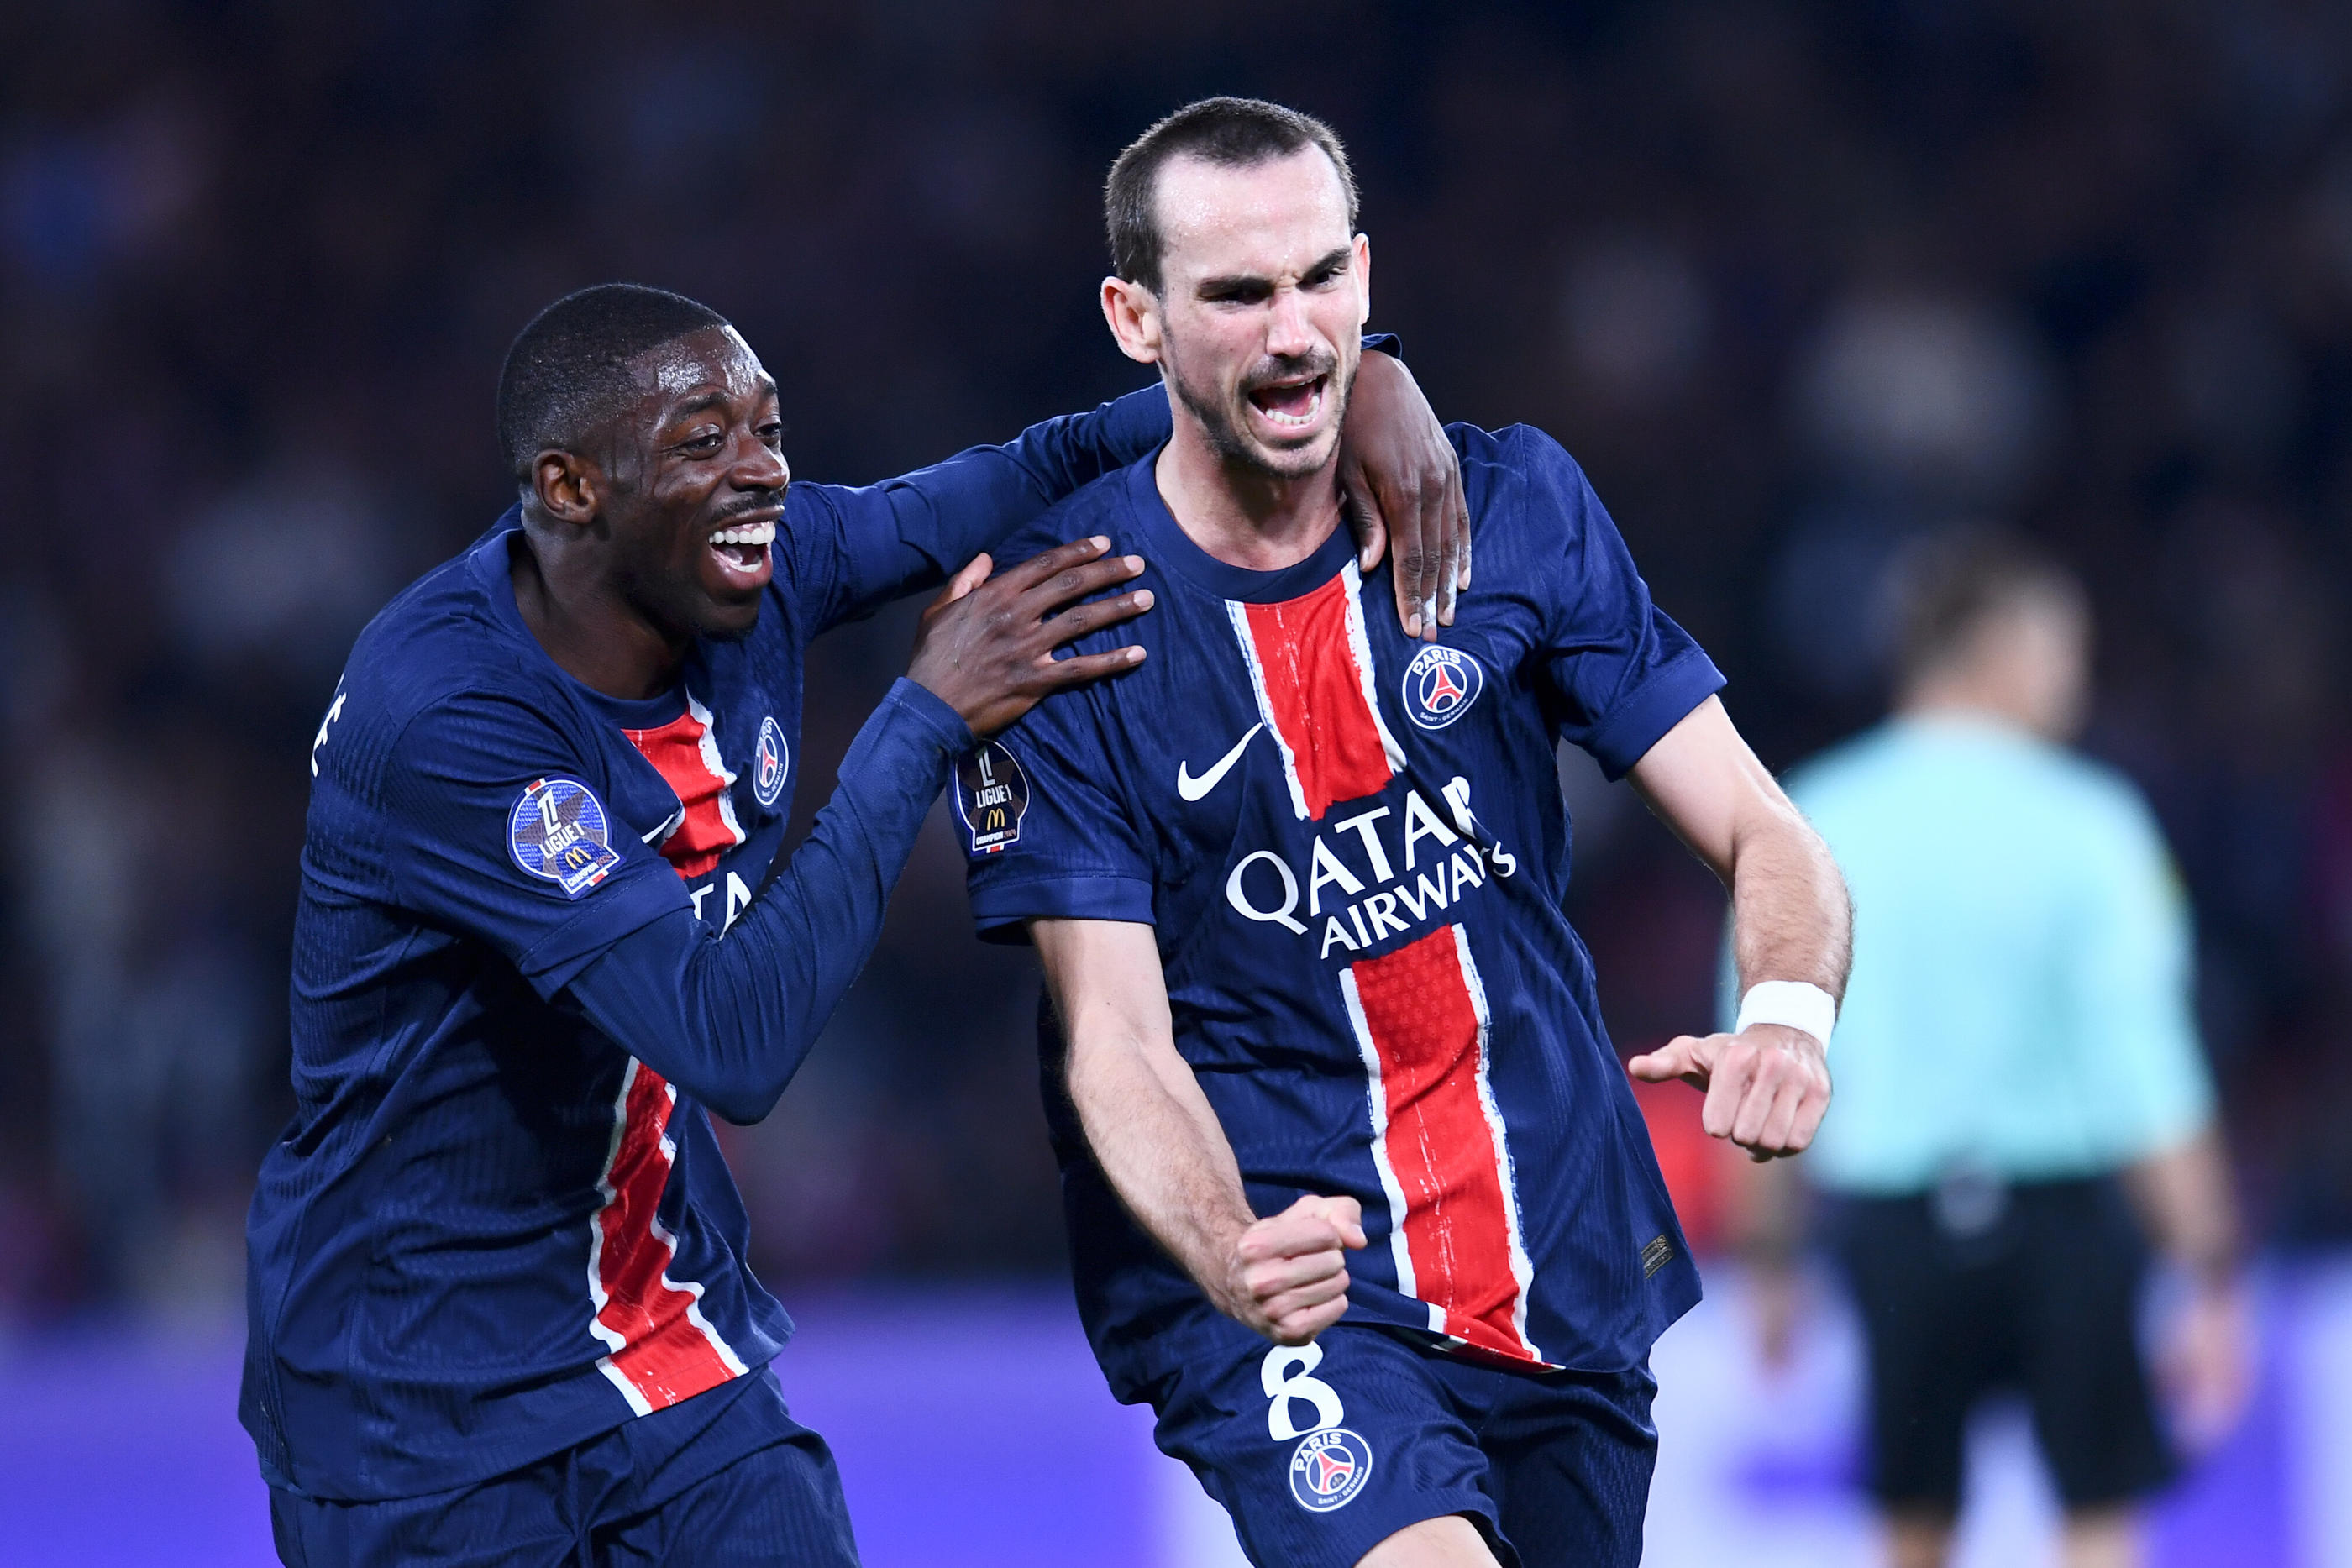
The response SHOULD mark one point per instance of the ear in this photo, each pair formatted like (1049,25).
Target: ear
(568,487)
(1363,280)
(1133,313)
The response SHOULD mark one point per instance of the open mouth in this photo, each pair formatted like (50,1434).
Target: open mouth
(742,549)
(1291,404)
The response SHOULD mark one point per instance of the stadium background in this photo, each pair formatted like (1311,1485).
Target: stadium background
(1794,282)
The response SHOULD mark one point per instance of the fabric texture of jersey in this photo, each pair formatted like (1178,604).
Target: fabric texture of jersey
(1353,850)
(2020,998)
(499,1223)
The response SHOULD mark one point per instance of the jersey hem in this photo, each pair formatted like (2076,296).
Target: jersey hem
(493,1459)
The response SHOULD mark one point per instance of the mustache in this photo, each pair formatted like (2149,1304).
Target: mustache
(745,507)
(1320,362)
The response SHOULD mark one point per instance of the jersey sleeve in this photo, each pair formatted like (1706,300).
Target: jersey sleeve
(1616,672)
(2133,973)
(855,549)
(730,1020)
(496,831)
(1072,851)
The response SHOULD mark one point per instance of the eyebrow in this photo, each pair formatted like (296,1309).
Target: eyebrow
(766,388)
(1330,262)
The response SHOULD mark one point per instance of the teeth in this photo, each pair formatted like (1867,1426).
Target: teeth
(1314,407)
(746,534)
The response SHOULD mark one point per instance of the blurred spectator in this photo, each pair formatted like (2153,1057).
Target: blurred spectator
(2016,1055)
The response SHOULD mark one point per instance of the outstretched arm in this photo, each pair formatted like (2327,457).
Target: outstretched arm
(859,548)
(1767,1086)
(1157,1141)
(729,1022)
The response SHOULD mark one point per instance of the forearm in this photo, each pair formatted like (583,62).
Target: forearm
(913,532)
(1791,917)
(1150,1126)
(2183,1195)
(1766,1081)
(729,1022)
(1160,1146)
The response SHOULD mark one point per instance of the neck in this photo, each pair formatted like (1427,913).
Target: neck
(1237,512)
(592,633)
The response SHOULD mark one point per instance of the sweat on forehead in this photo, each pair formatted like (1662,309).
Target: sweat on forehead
(712,356)
(569,369)
(1251,213)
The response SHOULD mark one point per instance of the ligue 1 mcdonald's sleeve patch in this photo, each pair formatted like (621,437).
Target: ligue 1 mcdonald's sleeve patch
(991,793)
(558,830)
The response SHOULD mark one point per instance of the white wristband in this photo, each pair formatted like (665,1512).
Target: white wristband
(1793,1003)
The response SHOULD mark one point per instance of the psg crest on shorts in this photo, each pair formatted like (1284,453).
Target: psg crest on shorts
(559,831)
(1328,1468)
(992,793)
(1440,685)
(771,759)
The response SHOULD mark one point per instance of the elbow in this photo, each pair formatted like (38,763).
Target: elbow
(742,1084)
(743,1104)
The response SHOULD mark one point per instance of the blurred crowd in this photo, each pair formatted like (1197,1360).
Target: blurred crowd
(1796,282)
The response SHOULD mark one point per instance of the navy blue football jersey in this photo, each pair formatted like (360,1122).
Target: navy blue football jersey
(1353,851)
(500,1222)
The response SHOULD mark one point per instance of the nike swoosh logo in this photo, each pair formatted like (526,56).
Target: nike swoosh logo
(1193,789)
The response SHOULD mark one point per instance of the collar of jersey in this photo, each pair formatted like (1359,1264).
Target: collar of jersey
(494,576)
(1170,548)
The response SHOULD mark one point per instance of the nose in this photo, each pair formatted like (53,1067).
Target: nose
(1288,333)
(759,466)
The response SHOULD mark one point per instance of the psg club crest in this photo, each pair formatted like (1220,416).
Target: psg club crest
(1440,685)
(992,793)
(771,759)
(1328,1468)
(559,831)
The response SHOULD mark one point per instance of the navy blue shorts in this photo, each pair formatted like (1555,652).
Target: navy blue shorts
(727,1476)
(1323,1451)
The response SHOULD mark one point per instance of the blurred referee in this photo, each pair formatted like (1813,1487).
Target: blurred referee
(2022,1105)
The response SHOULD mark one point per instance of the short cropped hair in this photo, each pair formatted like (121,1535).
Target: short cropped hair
(568,371)
(1947,586)
(1230,133)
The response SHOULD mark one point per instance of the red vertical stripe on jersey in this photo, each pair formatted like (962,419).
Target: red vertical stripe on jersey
(1419,1020)
(680,752)
(1314,694)
(661,1350)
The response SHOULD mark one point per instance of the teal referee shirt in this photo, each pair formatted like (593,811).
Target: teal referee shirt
(2019,1002)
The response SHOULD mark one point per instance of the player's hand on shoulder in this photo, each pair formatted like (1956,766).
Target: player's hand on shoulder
(1767,1087)
(1403,485)
(1288,1278)
(986,644)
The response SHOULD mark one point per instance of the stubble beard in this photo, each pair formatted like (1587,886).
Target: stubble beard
(1220,425)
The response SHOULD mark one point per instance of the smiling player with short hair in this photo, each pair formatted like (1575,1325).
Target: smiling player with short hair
(1296,880)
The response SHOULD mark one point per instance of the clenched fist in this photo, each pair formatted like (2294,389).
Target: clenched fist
(1288,1275)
